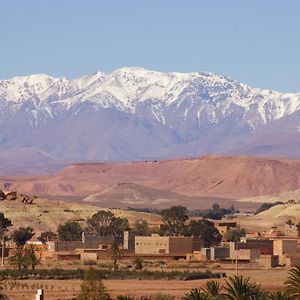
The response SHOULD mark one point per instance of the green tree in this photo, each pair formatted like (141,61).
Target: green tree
(279,296)
(92,288)
(292,284)
(47,236)
(31,258)
(18,260)
(235,234)
(22,235)
(4,222)
(196,294)
(105,223)
(116,254)
(69,231)
(141,227)
(138,263)
(240,288)
(213,289)
(175,218)
(206,231)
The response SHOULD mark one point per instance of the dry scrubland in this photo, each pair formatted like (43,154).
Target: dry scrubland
(66,289)
(45,215)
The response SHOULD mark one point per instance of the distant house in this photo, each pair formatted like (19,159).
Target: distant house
(158,245)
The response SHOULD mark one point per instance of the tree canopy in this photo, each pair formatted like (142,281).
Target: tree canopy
(175,218)
(141,227)
(47,236)
(4,222)
(22,235)
(105,223)
(70,231)
(206,231)
(234,234)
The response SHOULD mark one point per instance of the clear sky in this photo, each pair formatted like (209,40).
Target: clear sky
(256,42)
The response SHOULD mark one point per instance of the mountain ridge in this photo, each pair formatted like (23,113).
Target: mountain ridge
(136,114)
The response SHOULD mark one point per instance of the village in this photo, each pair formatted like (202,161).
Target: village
(264,250)
(173,243)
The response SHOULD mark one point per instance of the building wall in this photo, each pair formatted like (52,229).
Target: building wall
(91,240)
(292,260)
(129,241)
(268,261)
(57,246)
(282,247)
(265,246)
(219,253)
(184,244)
(154,244)
(88,257)
(244,254)
(196,255)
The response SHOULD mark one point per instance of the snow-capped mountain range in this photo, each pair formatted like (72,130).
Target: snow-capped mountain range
(133,113)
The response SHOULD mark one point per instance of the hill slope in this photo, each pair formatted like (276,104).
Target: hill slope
(46,214)
(140,196)
(209,176)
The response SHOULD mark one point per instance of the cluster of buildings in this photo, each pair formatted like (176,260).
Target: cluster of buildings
(265,251)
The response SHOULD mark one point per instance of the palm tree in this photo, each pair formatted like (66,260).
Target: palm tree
(116,253)
(279,296)
(196,294)
(18,260)
(293,283)
(2,295)
(31,258)
(239,288)
(213,289)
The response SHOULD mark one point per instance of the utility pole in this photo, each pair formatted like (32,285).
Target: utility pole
(2,243)
(236,259)
(3,249)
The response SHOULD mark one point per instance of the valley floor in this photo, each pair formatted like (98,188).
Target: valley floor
(271,280)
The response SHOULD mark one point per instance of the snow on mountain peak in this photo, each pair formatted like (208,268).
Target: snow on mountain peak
(198,95)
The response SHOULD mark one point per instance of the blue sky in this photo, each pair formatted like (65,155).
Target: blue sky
(256,42)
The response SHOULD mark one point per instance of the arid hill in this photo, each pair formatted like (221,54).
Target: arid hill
(277,215)
(138,195)
(45,214)
(209,176)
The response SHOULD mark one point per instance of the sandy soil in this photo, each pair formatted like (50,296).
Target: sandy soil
(68,289)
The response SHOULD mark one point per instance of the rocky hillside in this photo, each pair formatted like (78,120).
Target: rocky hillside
(211,177)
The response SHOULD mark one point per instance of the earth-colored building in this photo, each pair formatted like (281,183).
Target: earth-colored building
(156,244)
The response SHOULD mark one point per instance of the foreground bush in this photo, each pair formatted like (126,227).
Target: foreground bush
(92,287)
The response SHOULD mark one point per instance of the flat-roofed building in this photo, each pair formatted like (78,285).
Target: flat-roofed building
(156,244)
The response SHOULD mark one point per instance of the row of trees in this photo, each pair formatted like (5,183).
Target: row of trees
(105,223)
